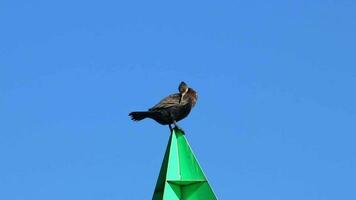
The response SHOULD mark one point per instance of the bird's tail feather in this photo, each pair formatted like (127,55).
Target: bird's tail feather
(137,116)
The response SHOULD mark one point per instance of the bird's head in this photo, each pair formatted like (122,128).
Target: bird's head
(192,96)
(183,87)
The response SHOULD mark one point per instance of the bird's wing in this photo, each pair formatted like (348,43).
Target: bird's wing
(171,100)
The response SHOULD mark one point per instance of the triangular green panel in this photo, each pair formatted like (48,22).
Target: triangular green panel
(181,177)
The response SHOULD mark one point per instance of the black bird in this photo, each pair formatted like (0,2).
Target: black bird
(171,109)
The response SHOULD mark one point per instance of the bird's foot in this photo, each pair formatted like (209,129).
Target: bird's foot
(179,128)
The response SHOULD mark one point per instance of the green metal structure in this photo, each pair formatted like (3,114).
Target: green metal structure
(181,177)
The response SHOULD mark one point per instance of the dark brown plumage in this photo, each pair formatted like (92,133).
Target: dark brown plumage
(171,109)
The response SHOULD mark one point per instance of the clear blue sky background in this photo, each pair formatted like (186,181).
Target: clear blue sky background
(275,119)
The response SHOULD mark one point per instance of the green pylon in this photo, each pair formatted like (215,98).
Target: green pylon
(181,177)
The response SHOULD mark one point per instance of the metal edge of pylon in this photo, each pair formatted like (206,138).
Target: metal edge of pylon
(165,163)
(207,180)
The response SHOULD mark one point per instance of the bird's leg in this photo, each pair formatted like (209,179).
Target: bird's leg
(170,127)
(176,126)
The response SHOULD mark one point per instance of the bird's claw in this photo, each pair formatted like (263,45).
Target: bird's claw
(179,128)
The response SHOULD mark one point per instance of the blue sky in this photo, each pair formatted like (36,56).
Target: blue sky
(275,117)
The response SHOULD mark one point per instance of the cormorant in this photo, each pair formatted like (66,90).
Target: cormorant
(171,109)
